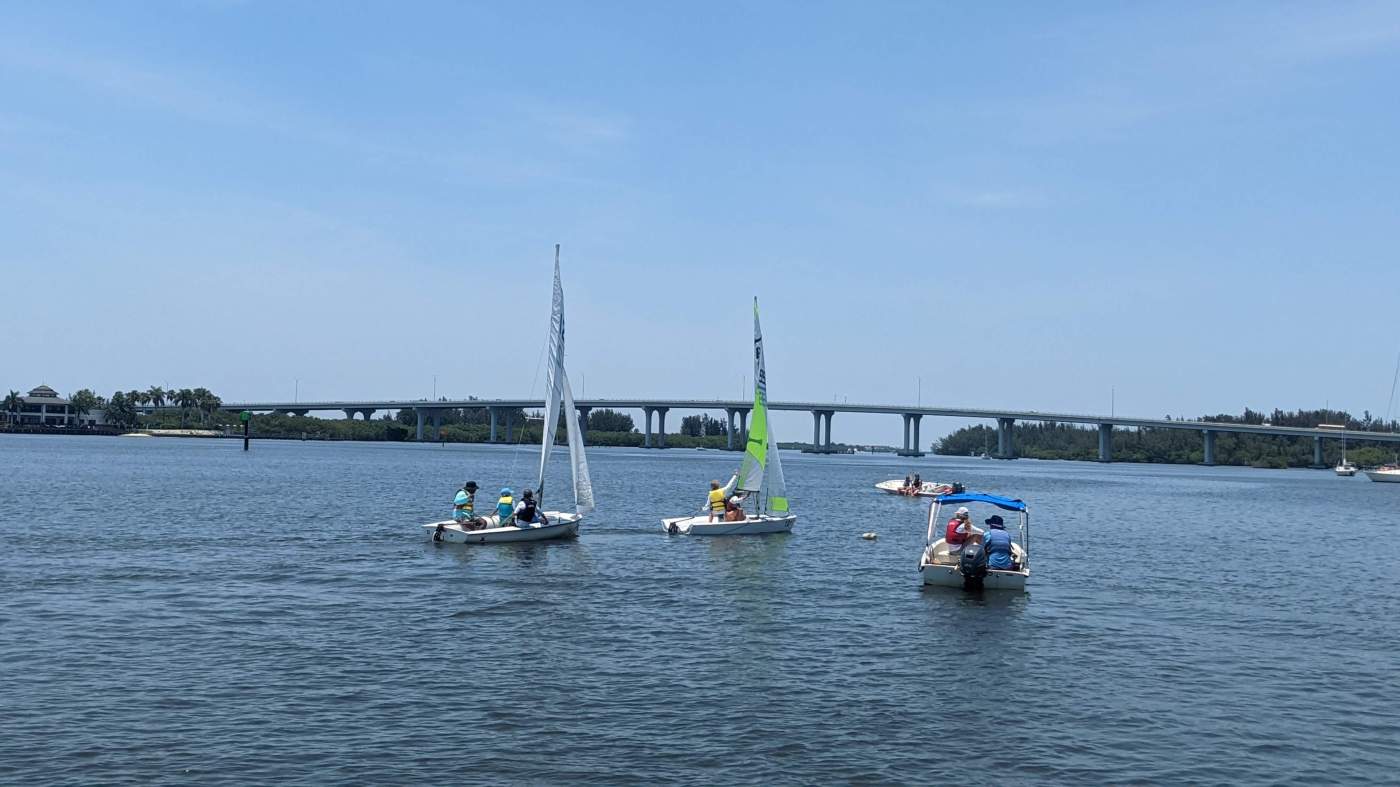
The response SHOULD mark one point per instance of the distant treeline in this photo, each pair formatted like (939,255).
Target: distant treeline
(1180,446)
(457,425)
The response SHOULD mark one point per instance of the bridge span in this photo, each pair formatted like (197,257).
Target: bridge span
(822,413)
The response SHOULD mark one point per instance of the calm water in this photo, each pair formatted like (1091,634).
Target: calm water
(177,611)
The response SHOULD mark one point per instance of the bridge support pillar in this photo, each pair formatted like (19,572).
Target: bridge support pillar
(1105,442)
(647,411)
(367,413)
(821,432)
(743,428)
(583,420)
(494,414)
(1209,458)
(510,423)
(912,422)
(729,429)
(418,412)
(1005,444)
(349,415)
(661,426)
(437,424)
(1317,453)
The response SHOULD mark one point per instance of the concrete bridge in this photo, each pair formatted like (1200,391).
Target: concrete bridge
(822,414)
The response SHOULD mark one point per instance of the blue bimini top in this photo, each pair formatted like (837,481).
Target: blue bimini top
(1004,503)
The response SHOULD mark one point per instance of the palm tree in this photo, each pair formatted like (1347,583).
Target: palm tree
(184,398)
(156,395)
(12,404)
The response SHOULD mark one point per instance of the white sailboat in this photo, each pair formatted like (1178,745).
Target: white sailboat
(760,474)
(1344,468)
(556,524)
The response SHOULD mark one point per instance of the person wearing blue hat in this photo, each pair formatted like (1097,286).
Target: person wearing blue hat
(997,542)
(505,507)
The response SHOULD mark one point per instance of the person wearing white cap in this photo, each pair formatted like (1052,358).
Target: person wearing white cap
(961,531)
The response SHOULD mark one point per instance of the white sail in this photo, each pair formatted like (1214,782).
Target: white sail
(751,470)
(555,371)
(583,484)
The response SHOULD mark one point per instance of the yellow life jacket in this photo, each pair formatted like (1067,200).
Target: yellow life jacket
(505,507)
(717,500)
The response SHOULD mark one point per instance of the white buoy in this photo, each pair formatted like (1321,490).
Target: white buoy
(871,536)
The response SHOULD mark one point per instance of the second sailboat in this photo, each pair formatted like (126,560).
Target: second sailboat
(759,482)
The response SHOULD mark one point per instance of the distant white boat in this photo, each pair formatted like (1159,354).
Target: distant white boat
(559,524)
(1344,468)
(896,486)
(1389,474)
(760,473)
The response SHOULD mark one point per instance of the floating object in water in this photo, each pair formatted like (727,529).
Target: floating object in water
(871,536)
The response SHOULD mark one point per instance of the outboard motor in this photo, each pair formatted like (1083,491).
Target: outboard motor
(973,566)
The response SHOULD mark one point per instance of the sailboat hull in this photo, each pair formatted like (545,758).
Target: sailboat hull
(560,525)
(753,526)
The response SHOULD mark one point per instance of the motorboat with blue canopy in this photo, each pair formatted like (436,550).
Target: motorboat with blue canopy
(954,553)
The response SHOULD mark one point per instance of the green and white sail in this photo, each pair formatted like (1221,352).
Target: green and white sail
(761,469)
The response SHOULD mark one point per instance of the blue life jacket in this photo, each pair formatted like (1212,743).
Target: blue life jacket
(997,542)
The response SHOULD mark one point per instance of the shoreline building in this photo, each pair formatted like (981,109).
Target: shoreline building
(44,407)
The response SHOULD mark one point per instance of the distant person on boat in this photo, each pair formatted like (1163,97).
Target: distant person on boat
(908,481)
(918,482)
(961,532)
(464,505)
(718,496)
(528,513)
(997,542)
(505,507)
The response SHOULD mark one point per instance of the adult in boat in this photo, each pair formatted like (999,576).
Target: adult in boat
(918,482)
(464,506)
(505,507)
(718,495)
(997,542)
(527,513)
(961,532)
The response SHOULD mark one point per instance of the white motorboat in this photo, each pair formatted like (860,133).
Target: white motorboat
(760,476)
(555,524)
(1388,474)
(954,567)
(895,486)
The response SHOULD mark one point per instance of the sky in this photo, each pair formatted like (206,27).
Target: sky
(1159,208)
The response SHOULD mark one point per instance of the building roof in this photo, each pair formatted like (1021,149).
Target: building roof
(44,395)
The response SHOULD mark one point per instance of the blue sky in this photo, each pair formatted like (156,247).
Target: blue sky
(1025,205)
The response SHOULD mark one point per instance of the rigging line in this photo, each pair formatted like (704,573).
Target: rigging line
(1389,403)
